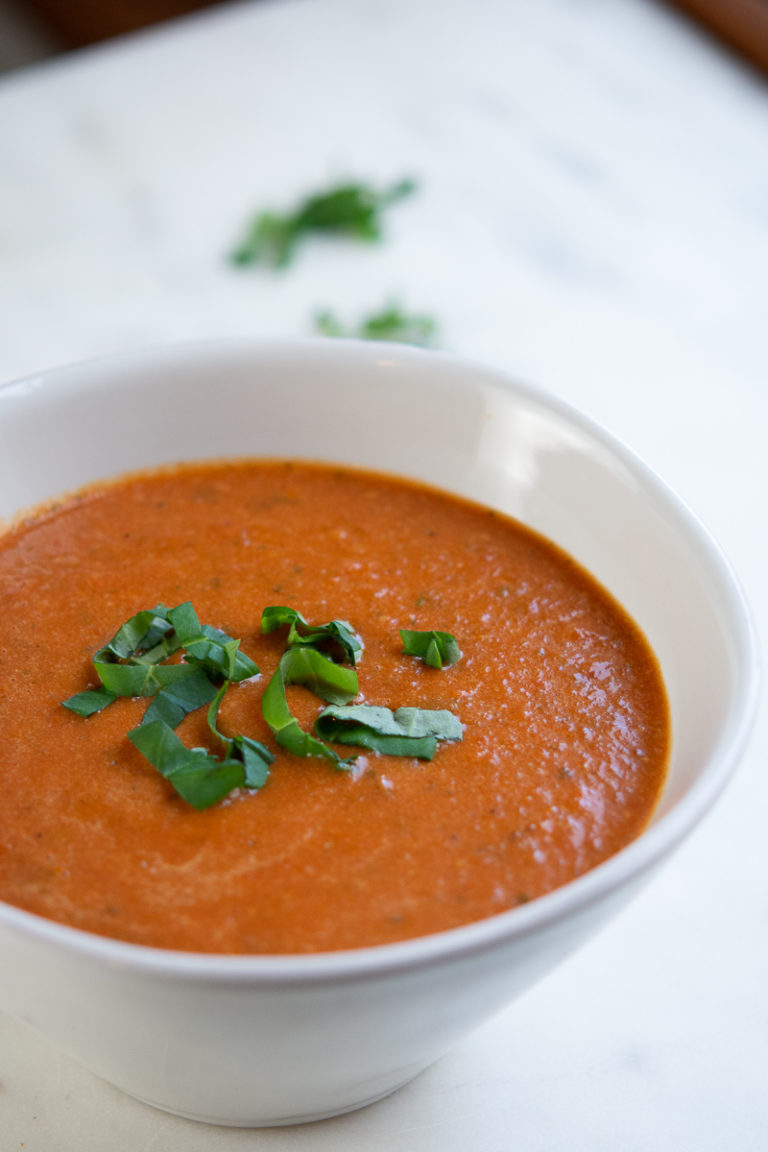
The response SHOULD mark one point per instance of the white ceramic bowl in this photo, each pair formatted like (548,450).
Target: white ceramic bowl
(280,1039)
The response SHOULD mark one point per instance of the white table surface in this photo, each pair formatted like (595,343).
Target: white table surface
(592,214)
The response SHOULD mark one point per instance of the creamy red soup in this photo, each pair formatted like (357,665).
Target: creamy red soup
(564,715)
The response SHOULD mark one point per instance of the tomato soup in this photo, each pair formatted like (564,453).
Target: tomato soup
(564,715)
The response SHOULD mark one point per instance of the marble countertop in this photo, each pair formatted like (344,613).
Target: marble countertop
(592,213)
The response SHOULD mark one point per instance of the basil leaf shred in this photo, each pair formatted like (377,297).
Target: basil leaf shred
(89,702)
(352,209)
(199,778)
(390,323)
(404,732)
(255,756)
(434,648)
(337,636)
(180,697)
(313,670)
(303,662)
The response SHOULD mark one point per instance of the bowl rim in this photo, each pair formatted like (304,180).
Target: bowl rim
(633,861)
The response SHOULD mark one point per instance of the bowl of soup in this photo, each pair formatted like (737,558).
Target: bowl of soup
(349,688)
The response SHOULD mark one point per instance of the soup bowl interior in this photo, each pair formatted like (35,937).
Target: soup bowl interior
(267,1040)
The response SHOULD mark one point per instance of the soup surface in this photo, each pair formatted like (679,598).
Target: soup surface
(565,718)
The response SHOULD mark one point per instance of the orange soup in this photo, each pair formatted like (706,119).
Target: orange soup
(564,719)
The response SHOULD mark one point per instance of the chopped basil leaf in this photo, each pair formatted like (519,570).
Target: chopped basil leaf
(140,679)
(434,648)
(390,323)
(89,702)
(184,695)
(405,732)
(349,210)
(256,757)
(184,621)
(313,670)
(147,636)
(199,778)
(202,780)
(332,682)
(219,655)
(141,632)
(215,651)
(292,737)
(337,636)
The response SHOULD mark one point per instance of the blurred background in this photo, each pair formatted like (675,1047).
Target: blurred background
(31,30)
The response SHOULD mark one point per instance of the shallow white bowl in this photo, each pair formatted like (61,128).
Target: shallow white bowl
(274,1040)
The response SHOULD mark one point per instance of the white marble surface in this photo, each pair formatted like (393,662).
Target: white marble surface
(593,213)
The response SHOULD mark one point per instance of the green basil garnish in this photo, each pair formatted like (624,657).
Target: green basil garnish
(140,679)
(404,732)
(199,778)
(181,696)
(142,634)
(254,755)
(320,657)
(89,702)
(133,664)
(337,637)
(434,648)
(219,655)
(313,670)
